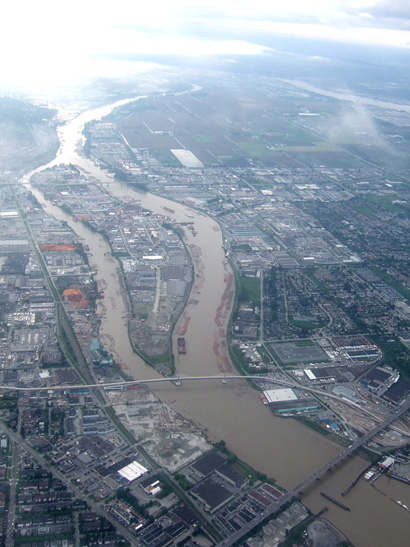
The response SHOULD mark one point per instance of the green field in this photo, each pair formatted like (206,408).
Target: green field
(249,290)
(304,343)
(256,149)
(204,138)
(391,281)
(167,158)
(390,203)
(304,324)
(252,125)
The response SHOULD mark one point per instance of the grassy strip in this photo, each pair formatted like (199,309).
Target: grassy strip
(66,344)
(238,359)
(248,289)
(243,291)
(275,355)
(183,482)
(391,281)
(304,324)
(304,342)
(265,355)
(313,425)
(163,358)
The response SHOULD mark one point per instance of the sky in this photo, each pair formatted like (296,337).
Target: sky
(56,42)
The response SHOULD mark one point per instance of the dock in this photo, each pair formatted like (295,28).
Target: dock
(335,501)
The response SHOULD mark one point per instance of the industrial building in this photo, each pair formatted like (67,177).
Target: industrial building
(133,471)
(285,402)
(212,495)
(379,378)
(231,476)
(280,395)
(386,463)
(346,393)
(208,463)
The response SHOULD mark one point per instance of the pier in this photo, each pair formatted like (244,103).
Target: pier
(335,501)
(299,488)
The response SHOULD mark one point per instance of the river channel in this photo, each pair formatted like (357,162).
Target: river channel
(281,448)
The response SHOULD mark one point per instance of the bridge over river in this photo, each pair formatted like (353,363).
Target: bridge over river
(299,488)
(305,483)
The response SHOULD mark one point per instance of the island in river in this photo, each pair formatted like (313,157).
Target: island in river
(226,411)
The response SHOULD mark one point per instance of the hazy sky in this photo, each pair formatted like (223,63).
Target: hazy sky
(56,41)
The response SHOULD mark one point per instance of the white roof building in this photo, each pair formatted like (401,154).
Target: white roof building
(280,395)
(133,471)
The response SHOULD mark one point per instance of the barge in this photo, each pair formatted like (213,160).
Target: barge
(181,346)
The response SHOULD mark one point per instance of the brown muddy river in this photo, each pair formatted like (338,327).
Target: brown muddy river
(281,448)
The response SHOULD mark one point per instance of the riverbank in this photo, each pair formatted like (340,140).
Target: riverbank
(284,450)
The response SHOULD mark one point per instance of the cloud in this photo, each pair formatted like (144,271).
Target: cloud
(60,41)
(45,46)
(386,14)
(396,9)
(354,124)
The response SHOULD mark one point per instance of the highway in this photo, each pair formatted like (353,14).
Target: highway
(177,380)
(299,488)
(305,483)
(63,322)
(174,379)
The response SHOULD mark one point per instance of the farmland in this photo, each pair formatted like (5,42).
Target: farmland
(237,126)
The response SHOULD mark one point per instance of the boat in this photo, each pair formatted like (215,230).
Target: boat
(169,210)
(181,346)
(263,399)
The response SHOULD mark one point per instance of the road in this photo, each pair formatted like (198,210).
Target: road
(298,489)
(63,322)
(20,443)
(305,483)
(178,380)
(11,514)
